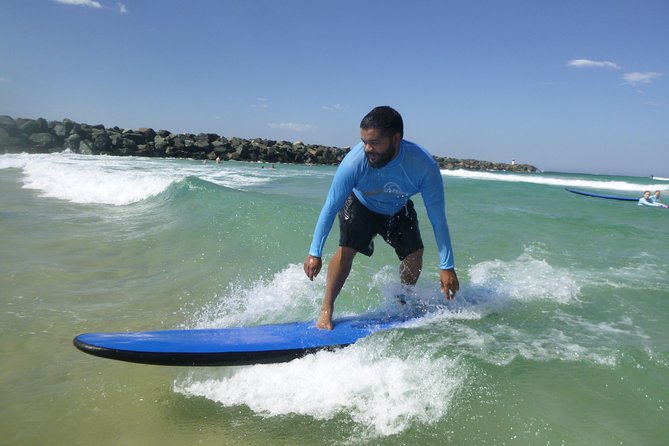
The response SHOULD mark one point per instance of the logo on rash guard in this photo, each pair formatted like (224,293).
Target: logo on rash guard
(389,188)
(394,189)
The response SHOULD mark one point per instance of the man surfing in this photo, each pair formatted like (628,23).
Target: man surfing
(371,193)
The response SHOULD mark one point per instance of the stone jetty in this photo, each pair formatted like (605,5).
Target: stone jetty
(41,136)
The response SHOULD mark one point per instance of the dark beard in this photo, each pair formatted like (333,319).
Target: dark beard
(383,159)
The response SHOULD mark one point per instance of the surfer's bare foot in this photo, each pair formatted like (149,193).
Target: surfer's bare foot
(324,321)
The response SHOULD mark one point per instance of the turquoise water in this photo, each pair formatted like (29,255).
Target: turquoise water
(559,335)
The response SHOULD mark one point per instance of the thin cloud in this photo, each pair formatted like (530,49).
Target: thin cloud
(88,3)
(637,78)
(260,103)
(292,126)
(336,107)
(120,7)
(587,63)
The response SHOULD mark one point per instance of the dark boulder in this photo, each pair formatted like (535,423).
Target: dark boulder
(149,134)
(86,147)
(102,143)
(30,126)
(12,142)
(72,142)
(43,141)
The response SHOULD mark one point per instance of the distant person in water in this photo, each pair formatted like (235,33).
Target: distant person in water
(370,192)
(647,201)
(656,197)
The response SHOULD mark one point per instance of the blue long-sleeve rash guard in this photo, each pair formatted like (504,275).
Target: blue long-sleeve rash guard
(386,190)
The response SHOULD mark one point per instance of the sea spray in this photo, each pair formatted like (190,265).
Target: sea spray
(383,393)
(283,298)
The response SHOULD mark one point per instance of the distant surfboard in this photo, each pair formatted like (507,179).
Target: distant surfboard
(259,344)
(608,197)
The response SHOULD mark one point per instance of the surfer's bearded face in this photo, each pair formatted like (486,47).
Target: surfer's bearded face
(380,149)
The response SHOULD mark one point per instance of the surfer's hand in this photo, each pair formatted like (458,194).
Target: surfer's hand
(312,266)
(449,283)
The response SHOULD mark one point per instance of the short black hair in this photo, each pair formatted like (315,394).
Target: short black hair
(384,118)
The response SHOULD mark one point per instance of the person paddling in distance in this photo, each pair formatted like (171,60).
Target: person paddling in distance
(371,193)
(656,197)
(647,200)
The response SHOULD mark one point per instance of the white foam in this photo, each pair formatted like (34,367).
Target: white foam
(641,273)
(525,278)
(230,175)
(561,345)
(549,180)
(553,333)
(287,294)
(373,382)
(395,379)
(123,180)
(88,179)
(382,393)
(503,343)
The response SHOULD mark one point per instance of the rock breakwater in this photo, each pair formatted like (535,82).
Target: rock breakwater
(42,136)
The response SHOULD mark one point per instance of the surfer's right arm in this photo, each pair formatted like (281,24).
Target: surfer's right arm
(341,187)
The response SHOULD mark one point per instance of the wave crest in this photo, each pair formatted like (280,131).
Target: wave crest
(554,180)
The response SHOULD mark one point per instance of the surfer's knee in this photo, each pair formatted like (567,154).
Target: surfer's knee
(411,267)
(416,256)
(347,254)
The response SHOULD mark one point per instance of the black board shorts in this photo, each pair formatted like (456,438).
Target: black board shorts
(358,226)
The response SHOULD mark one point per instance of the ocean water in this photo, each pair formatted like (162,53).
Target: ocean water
(559,336)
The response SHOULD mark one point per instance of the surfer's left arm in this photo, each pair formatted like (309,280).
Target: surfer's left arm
(432,191)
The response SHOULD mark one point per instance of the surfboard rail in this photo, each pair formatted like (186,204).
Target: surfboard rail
(234,346)
(197,359)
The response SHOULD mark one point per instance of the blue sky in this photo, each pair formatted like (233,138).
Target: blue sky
(576,86)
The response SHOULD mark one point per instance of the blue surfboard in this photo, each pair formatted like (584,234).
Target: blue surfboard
(233,346)
(608,197)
